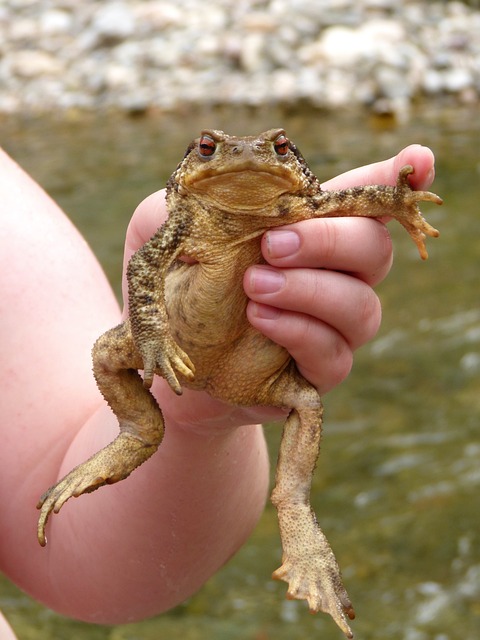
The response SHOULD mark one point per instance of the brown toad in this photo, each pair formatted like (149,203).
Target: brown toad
(188,324)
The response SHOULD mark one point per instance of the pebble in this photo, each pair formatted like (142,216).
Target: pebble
(136,55)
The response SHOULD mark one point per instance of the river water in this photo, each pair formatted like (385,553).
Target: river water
(398,479)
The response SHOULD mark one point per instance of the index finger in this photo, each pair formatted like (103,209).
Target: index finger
(386,172)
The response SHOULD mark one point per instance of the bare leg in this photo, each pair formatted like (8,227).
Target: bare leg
(308,564)
(140,420)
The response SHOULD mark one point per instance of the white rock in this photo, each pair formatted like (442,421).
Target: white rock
(118,76)
(340,46)
(22,30)
(392,83)
(433,81)
(114,21)
(31,64)
(457,79)
(252,53)
(152,16)
(56,22)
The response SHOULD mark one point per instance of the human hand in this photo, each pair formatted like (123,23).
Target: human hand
(324,306)
(315,297)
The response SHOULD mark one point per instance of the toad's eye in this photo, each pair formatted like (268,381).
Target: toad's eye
(281,145)
(206,146)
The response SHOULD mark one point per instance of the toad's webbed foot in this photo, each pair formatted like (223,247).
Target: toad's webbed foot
(111,464)
(311,570)
(408,213)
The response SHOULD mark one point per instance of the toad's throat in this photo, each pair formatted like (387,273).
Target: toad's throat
(243,189)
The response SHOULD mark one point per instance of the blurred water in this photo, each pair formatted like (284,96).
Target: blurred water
(397,484)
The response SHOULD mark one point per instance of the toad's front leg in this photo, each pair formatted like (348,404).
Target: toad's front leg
(406,211)
(115,360)
(309,565)
(375,201)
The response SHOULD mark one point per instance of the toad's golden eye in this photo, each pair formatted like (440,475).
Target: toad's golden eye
(206,146)
(281,145)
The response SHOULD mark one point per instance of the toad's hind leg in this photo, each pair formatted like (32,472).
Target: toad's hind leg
(308,563)
(115,361)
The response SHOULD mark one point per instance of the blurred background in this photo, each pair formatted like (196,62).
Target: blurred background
(98,101)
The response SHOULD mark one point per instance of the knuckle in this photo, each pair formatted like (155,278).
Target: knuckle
(383,255)
(341,362)
(385,247)
(369,316)
(327,242)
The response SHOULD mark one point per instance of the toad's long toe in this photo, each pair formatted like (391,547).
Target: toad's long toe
(408,213)
(111,464)
(324,591)
(73,485)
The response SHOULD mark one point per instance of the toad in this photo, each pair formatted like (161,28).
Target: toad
(187,323)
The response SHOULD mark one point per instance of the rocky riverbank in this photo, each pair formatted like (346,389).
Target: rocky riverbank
(137,55)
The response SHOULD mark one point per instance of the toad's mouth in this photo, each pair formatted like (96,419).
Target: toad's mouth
(243,188)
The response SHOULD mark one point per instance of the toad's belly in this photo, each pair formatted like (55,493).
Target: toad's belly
(208,320)
(240,373)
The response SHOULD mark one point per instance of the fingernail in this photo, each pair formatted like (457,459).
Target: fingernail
(430,177)
(282,243)
(266,280)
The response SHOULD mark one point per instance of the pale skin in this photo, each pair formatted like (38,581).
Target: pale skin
(180,516)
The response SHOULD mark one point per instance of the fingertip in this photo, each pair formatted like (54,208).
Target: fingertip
(423,161)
